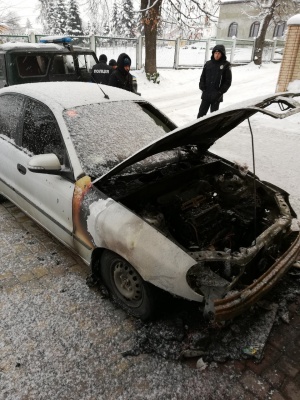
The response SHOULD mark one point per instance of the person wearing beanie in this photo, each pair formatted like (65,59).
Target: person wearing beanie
(215,80)
(101,71)
(121,77)
(113,63)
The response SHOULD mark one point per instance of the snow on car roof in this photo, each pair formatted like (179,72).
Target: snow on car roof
(70,94)
(17,45)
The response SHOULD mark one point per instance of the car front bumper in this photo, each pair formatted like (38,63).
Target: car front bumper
(231,306)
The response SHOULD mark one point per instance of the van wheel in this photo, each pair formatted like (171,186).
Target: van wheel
(126,286)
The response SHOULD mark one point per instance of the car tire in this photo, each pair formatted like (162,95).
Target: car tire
(126,287)
(2,199)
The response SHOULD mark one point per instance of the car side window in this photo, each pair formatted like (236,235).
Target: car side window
(11,106)
(40,132)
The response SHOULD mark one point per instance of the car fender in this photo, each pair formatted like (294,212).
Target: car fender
(157,259)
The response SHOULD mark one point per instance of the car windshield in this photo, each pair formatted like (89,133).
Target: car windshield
(105,134)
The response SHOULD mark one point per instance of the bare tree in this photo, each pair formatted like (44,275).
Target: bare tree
(186,13)
(183,13)
(151,11)
(269,13)
(99,13)
(10,20)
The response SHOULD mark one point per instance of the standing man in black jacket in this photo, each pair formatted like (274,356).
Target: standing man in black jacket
(215,80)
(101,71)
(121,77)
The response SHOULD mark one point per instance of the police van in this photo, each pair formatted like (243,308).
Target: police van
(54,58)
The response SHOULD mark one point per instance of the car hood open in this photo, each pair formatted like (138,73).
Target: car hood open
(205,131)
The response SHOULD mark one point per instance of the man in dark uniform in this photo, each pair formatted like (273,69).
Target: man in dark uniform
(121,77)
(215,80)
(113,63)
(101,71)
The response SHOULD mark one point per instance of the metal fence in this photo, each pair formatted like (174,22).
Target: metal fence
(178,53)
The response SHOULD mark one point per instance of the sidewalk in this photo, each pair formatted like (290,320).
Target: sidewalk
(59,339)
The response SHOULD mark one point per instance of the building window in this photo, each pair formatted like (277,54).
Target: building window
(279,29)
(254,29)
(233,29)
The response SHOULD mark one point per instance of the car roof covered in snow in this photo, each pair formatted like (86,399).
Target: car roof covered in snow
(24,46)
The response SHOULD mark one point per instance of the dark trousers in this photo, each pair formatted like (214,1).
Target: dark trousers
(204,107)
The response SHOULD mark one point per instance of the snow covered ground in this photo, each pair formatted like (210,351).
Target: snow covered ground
(276,142)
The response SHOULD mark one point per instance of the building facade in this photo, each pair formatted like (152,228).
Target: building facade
(240,19)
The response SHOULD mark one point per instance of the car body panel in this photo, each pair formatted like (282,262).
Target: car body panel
(47,198)
(114,227)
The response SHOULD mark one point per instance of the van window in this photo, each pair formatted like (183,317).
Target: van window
(2,71)
(33,65)
(62,65)
(86,62)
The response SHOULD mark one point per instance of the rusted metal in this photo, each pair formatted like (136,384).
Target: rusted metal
(234,305)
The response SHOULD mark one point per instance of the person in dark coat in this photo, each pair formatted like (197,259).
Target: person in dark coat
(113,63)
(121,77)
(101,71)
(215,80)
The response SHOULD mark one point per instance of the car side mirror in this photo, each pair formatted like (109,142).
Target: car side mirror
(45,164)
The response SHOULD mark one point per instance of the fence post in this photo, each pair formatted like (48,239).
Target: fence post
(273,49)
(207,50)
(253,49)
(176,54)
(139,52)
(31,37)
(232,50)
(93,42)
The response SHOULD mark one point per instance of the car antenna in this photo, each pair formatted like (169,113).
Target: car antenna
(105,95)
(254,180)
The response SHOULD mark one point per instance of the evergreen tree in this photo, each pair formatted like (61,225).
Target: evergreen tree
(28,25)
(53,19)
(44,7)
(127,19)
(90,28)
(62,15)
(115,22)
(74,24)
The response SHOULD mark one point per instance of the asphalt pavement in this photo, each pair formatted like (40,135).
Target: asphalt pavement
(60,339)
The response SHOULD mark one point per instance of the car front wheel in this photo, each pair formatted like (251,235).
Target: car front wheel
(126,286)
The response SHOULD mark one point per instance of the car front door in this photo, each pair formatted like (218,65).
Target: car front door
(46,198)
(11,112)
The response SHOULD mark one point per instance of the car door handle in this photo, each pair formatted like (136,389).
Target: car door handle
(21,169)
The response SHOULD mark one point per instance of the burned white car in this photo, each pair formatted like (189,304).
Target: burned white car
(143,202)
